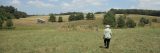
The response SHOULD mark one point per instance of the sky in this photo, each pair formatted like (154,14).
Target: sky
(44,7)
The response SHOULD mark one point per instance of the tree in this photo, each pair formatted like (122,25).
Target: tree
(70,13)
(154,20)
(9,23)
(17,14)
(137,11)
(52,18)
(100,12)
(76,16)
(1,22)
(109,19)
(60,19)
(130,23)
(1,18)
(121,22)
(143,21)
(71,17)
(80,16)
(7,13)
(90,16)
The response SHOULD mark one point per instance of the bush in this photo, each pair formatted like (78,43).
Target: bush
(6,15)
(60,19)
(74,17)
(154,20)
(9,23)
(121,22)
(141,24)
(71,17)
(109,19)
(12,10)
(90,16)
(130,23)
(143,21)
(80,16)
(1,23)
(52,18)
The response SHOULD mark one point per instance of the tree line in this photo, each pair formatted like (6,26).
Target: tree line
(68,13)
(81,16)
(136,11)
(7,13)
(10,9)
(77,16)
(72,17)
(122,21)
(52,18)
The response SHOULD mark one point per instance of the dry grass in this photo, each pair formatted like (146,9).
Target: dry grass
(29,37)
(138,40)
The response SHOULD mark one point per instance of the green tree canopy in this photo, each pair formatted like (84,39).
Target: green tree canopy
(90,16)
(109,19)
(60,19)
(121,21)
(52,18)
(130,23)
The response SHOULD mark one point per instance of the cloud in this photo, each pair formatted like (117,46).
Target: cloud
(81,5)
(149,4)
(95,2)
(53,0)
(40,4)
(15,3)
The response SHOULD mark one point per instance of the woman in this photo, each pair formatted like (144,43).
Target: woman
(107,36)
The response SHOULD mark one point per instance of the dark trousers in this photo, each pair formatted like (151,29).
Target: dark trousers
(106,42)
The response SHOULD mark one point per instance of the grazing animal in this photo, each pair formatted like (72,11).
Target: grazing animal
(41,21)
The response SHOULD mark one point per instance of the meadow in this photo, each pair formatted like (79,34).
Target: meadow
(30,37)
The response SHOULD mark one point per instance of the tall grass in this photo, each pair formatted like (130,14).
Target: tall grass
(139,40)
(29,37)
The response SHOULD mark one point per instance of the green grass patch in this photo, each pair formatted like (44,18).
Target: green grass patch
(138,40)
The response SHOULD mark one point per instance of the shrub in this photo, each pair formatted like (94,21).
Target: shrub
(1,23)
(154,20)
(74,17)
(71,17)
(143,21)
(80,16)
(130,23)
(9,23)
(109,19)
(141,24)
(90,16)
(52,18)
(121,22)
(60,19)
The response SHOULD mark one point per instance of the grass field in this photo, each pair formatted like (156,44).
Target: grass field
(30,37)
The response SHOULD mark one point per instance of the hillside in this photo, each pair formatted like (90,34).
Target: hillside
(20,23)
(139,40)
(77,37)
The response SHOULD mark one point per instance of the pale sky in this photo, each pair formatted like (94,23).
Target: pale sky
(59,6)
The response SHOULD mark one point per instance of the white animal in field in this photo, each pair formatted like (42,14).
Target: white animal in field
(39,20)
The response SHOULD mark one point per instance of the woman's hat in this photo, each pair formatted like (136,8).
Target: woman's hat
(107,26)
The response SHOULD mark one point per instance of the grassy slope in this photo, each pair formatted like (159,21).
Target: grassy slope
(139,40)
(47,38)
